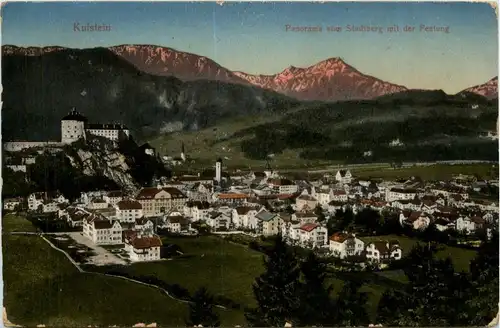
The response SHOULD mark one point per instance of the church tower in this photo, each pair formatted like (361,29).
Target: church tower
(183,153)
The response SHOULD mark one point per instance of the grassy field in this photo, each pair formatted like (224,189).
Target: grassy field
(15,223)
(431,172)
(42,287)
(460,257)
(206,145)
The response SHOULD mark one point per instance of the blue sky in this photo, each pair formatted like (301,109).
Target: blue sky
(251,37)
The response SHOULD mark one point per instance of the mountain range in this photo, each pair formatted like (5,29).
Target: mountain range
(329,80)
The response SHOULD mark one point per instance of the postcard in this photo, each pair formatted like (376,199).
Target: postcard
(235,164)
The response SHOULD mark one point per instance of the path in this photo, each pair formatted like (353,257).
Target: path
(106,274)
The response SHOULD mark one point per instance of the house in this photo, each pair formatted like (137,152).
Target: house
(113,197)
(416,219)
(382,251)
(468,224)
(36,201)
(144,224)
(102,231)
(312,235)
(342,244)
(339,196)
(177,223)
(217,220)
(10,204)
(393,194)
(334,206)
(306,201)
(128,211)
(343,176)
(156,201)
(244,217)
(305,217)
(322,194)
(143,247)
(268,224)
(50,206)
(200,211)
(97,203)
(282,186)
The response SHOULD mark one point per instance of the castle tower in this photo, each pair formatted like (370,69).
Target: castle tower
(218,170)
(183,153)
(73,127)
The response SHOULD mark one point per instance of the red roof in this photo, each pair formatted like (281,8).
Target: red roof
(309,227)
(129,205)
(233,196)
(145,242)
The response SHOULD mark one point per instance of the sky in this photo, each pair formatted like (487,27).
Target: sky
(252,36)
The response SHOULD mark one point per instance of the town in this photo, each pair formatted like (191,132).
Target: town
(260,203)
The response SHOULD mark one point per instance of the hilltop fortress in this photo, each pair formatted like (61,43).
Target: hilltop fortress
(74,127)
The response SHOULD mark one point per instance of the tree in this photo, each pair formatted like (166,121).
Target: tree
(277,290)
(483,297)
(316,301)
(201,310)
(319,213)
(350,309)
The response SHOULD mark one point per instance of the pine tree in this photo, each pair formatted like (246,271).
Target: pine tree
(201,310)
(277,290)
(316,302)
(350,309)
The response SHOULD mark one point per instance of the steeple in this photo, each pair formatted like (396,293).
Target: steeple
(183,154)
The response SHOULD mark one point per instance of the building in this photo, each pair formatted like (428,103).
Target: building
(268,224)
(102,231)
(282,186)
(343,176)
(305,202)
(11,204)
(312,235)
(343,245)
(244,217)
(128,211)
(218,170)
(113,197)
(143,247)
(382,251)
(157,201)
(217,220)
(393,194)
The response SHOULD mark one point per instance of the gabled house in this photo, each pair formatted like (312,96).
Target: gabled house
(113,197)
(244,217)
(382,251)
(143,247)
(217,220)
(342,245)
(102,231)
(144,224)
(417,220)
(128,211)
(343,176)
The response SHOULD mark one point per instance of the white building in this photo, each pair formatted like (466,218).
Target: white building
(282,186)
(218,220)
(244,217)
(304,202)
(393,194)
(11,203)
(343,245)
(380,251)
(113,197)
(73,127)
(128,211)
(312,235)
(143,247)
(157,201)
(268,224)
(218,170)
(102,231)
(343,176)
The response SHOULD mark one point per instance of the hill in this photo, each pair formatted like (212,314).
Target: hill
(408,126)
(39,90)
